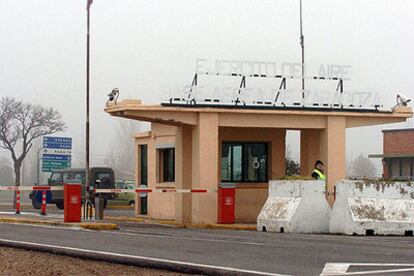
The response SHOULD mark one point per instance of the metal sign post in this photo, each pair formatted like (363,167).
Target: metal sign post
(87,176)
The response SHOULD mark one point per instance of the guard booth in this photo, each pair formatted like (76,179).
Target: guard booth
(198,147)
(207,135)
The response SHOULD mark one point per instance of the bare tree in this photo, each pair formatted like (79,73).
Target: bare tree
(362,167)
(292,167)
(20,124)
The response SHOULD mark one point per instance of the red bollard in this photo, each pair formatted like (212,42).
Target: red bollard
(17,202)
(43,210)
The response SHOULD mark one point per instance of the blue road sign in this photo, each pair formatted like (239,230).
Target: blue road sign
(53,157)
(56,146)
(57,142)
(50,139)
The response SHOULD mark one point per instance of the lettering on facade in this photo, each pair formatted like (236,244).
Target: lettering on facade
(253,83)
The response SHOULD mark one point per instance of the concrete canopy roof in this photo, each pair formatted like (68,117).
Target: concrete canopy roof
(401,155)
(243,117)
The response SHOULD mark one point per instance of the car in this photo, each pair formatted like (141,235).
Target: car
(125,198)
(102,176)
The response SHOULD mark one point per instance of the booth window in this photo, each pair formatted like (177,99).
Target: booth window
(244,162)
(55,178)
(400,168)
(167,164)
(143,152)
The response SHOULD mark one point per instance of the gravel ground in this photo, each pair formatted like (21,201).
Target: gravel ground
(23,262)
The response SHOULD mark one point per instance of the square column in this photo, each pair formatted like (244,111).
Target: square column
(309,150)
(183,172)
(332,144)
(205,168)
(278,153)
(137,179)
(152,208)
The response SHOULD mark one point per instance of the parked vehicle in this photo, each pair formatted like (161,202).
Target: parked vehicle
(104,177)
(125,198)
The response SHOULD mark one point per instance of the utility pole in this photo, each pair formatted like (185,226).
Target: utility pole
(302,45)
(88,8)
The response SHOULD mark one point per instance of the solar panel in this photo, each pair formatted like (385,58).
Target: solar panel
(281,97)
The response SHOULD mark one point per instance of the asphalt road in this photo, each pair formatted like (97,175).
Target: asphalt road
(243,250)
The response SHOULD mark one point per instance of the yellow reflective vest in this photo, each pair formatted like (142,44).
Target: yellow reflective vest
(320,174)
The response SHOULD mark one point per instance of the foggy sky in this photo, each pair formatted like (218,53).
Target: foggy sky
(139,46)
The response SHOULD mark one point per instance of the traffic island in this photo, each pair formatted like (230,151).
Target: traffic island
(90,225)
(99,226)
(173,223)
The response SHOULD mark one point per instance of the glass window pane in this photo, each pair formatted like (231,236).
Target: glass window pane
(80,177)
(237,163)
(412,168)
(395,167)
(226,162)
(68,177)
(55,178)
(100,176)
(255,162)
(144,164)
(168,165)
(406,168)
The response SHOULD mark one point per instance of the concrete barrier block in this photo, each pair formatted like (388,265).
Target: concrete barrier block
(373,208)
(295,207)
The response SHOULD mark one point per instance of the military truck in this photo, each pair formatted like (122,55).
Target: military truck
(98,176)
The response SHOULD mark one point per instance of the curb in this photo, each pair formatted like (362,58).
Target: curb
(174,223)
(123,219)
(83,225)
(121,207)
(28,221)
(236,227)
(100,226)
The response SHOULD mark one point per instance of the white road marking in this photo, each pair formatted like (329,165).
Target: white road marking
(132,233)
(342,268)
(380,271)
(144,258)
(335,269)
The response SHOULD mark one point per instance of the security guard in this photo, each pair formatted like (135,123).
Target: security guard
(318,173)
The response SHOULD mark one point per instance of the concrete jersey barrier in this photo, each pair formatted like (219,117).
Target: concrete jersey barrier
(295,207)
(373,208)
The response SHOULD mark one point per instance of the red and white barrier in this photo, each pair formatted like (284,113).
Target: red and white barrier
(44,190)
(31,188)
(140,191)
(43,209)
(103,191)
(17,202)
